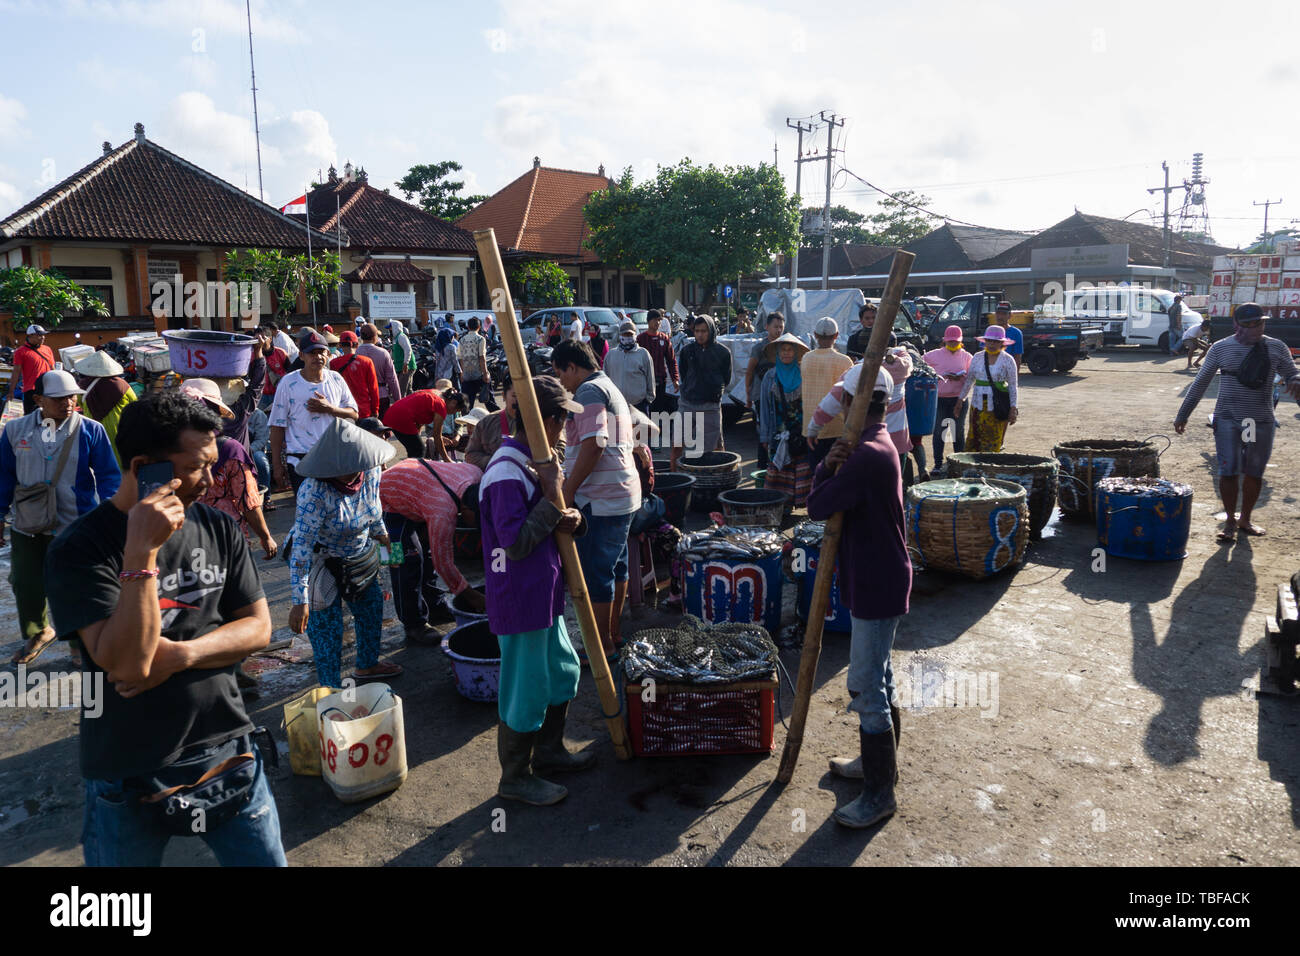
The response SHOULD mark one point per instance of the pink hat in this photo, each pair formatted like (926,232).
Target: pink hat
(952,333)
(995,332)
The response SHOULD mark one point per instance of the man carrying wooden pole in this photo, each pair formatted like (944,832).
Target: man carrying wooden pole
(855,420)
(495,276)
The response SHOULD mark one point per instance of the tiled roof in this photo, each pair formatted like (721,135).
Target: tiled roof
(374,219)
(387,270)
(141,192)
(846,260)
(954,248)
(1145,243)
(541,212)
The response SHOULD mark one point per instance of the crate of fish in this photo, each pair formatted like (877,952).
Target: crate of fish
(696,690)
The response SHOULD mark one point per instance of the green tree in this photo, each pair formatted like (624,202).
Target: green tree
(285,275)
(438,195)
(32,295)
(898,221)
(696,223)
(847,227)
(1266,242)
(544,283)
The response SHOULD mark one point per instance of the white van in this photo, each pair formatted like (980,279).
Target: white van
(1129,315)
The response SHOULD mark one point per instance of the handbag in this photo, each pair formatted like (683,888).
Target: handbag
(36,507)
(354,575)
(652,513)
(1001,397)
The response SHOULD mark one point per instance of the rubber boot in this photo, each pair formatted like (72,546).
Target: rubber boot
(849,768)
(876,802)
(549,753)
(518,782)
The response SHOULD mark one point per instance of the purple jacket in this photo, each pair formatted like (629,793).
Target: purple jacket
(528,594)
(875,570)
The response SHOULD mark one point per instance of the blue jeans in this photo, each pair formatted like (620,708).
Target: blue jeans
(870,674)
(263,470)
(118,833)
(602,551)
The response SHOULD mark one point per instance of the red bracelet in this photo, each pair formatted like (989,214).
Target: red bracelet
(137,575)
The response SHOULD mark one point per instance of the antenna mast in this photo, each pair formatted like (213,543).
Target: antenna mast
(257,134)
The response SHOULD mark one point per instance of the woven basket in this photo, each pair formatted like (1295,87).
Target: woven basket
(1084,463)
(1038,475)
(975,528)
(714,472)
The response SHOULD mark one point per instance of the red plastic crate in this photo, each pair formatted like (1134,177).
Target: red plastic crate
(701,719)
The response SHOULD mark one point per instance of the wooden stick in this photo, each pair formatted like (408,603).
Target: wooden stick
(495,274)
(853,423)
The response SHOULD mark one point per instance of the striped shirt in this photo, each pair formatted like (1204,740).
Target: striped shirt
(1236,401)
(612,487)
(342,525)
(1000,369)
(408,489)
(837,402)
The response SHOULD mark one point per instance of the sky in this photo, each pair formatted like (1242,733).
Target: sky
(1008,115)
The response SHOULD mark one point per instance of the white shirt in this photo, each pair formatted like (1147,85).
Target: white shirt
(283,340)
(1193,333)
(302,429)
(575,330)
(1001,369)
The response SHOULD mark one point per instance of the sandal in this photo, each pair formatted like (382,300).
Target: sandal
(30,652)
(1254,530)
(381,670)
(1229,533)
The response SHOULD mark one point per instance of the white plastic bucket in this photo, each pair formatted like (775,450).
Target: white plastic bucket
(363,741)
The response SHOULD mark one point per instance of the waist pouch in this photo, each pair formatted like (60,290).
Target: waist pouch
(354,575)
(216,797)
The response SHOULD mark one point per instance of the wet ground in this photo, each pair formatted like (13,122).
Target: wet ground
(1057,714)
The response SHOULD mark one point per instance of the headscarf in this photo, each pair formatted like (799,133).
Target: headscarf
(788,374)
(444,336)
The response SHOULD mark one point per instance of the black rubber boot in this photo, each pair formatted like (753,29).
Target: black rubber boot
(879,764)
(549,753)
(896,717)
(514,750)
(850,768)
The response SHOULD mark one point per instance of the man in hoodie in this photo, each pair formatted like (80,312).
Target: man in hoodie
(631,369)
(706,372)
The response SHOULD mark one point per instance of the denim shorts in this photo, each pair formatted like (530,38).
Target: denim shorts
(603,553)
(1238,457)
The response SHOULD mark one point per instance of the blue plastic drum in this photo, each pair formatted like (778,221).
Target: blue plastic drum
(922,397)
(837,613)
(719,590)
(1145,519)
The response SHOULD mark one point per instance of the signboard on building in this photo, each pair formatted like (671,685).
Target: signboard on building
(163,270)
(392,305)
(1079,260)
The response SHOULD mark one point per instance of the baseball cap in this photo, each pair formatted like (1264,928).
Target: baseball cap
(1003,306)
(37,330)
(206,390)
(1248,312)
(58,384)
(311,342)
(349,337)
(627,326)
(552,397)
(375,427)
(826,326)
(883,382)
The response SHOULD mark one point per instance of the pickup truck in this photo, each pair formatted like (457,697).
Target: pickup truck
(1048,348)
(1283,323)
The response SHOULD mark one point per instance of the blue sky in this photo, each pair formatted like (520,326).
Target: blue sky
(1005,114)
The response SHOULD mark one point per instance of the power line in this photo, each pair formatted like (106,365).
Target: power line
(912,205)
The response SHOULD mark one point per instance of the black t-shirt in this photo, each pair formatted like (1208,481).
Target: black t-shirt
(206,574)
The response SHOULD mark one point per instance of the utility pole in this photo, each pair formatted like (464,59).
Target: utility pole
(798,180)
(831,122)
(1166,189)
(1266,203)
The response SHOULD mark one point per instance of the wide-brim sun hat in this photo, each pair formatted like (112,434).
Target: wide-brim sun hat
(994,333)
(344,449)
(98,365)
(206,390)
(788,339)
(472,417)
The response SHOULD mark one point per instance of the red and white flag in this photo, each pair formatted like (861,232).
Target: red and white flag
(298,206)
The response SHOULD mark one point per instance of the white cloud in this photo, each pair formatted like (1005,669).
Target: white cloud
(10,198)
(198,69)
(12,114)
(212,16)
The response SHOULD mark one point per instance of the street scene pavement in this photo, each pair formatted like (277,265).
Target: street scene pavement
(1086,711)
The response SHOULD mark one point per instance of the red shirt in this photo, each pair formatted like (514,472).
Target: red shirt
(277,367)
(31,364)
(410,414)
(359,372)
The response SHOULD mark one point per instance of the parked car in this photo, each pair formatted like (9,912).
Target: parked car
(1050,346)
(606,320)
(1128,315)
(638,316)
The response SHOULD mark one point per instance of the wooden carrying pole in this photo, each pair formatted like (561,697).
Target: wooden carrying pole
(495,275)
(853,423)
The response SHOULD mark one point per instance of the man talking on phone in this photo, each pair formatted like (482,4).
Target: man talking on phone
(164,597)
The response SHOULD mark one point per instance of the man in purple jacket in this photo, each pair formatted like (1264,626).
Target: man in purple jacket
(866,484)
(525,606)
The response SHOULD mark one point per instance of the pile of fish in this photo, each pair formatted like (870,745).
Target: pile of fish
(1144,487)
(729,543)
(696,653)
(809,533)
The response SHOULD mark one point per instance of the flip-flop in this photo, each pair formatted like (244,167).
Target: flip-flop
(29,656)
(1226,536)
(380,671)
(1254,530)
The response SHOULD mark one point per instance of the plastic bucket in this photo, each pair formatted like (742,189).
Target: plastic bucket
(1144,527)
(675,489)
(922,396)
(363,741)
(195,352)
(718,590)
(475,660)
(837,614)
(300,727)
(462,611)
(753,507)
(759,478)
(468,544)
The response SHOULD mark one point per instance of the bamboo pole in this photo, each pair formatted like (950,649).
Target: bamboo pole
(495,274)
(853,423)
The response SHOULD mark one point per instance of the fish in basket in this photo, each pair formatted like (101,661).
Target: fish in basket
(976,528)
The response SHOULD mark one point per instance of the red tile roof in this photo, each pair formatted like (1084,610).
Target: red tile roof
(541,212)
(141,192)
(377,220)
(388,270)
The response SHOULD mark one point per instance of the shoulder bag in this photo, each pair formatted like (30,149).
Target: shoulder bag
(1255,367)
(36,507)
(1001,395)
